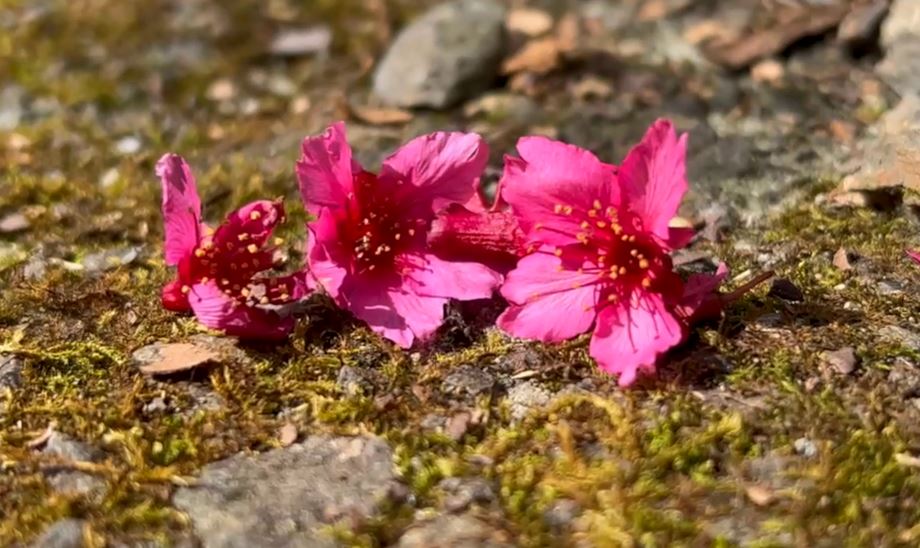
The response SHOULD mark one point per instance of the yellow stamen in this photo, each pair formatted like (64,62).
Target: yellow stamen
(252,248)
(255,215)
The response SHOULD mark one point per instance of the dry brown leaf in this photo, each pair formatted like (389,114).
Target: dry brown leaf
(537,56)
(760,495)
(287,434)
(842,260)
(380,116)
(176,357)
(709,29)
(659,9)
(790,26)
(905,459)
(529,22)
(567,32)
(41,439)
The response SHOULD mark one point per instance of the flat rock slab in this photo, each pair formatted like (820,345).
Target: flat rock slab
(283,498)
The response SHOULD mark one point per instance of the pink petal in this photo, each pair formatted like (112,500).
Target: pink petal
(698,288)
(538,274)
(441,168)
(429,276)
(653,177)
(217,311)
(679,237)
(547,304)
(629,339)
(327,261)
(915,255)
(423,315)
(550,174)
(325,170)
(370,301)
(181,207)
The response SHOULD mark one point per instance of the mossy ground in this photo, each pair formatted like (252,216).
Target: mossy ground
(669,462)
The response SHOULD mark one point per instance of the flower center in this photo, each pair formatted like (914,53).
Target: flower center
(232,255)
(614,248)
(377,227)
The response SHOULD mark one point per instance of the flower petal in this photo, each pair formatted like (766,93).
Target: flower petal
(539,274)
(547,304)
(549,182)
(328,263)
(217,311)
(181,207)
(629,339)
(700,289)
(429,276)
(440,169)
(371,302)
(915,255)
(325,171)
(653,177)
(423,315)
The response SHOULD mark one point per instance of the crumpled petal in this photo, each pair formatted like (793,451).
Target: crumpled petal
(217,311)
(181,207)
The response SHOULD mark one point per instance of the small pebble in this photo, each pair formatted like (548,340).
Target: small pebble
(805,447)
(784,289)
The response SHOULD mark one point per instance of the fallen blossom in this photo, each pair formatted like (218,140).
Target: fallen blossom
(368,243)
(600,240)
(218,270)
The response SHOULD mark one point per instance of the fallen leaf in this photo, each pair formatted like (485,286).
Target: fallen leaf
(287,434)
(842,360)
(769,71)
(529,22)
(538,56)
(40,440)
(905,459)
(842,259)
(785,290)
(176,357)
(795,24)
(659,9)
(380,116)
(457,425)
(760,495)
(710,29)
(844,132)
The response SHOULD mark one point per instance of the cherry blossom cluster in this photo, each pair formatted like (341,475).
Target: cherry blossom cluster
(573,244)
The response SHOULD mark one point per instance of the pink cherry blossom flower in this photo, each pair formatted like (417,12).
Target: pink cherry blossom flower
(218,269)
(368,246)
(601,241)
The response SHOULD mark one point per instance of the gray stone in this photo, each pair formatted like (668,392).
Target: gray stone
(306,41)
(805,447)
(462,492)
(11,107)
(889,287)
(10,372)
(283,498)
(891,152)
(561,514)
(897,334)
(525,397)
(95,263)
(353,381)
(14,222)
(65,533)
(64,480)
(901,66)
(463,531)
(451,52)
(468,380)
(842,360)
(903,20)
